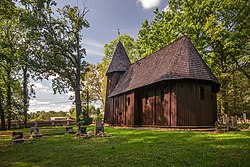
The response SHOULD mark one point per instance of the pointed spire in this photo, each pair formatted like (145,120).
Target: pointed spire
(120,61)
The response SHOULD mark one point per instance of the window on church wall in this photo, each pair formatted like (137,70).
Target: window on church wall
(128,100)
(202,93)
(146,98)
(162,95)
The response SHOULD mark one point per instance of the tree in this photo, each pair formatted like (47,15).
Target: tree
(58,51)
(218,29)
(129,45)
(10,34)
(2,114)
(92,85)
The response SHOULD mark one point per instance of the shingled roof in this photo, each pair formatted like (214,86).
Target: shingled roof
(179,60)
(120,60)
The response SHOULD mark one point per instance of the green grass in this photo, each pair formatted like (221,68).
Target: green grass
(131,147)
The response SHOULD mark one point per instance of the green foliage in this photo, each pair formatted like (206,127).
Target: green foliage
(130,147)
(97,114)
(220,32)
(46,115)
(72,112)
(92,84)
(13,45)
(85,119)
(129,45)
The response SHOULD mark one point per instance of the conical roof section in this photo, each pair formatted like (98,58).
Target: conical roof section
(120,61)
(178,60)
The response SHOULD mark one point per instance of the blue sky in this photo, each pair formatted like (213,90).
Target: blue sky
(104,16)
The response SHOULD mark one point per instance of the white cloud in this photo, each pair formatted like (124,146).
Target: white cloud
(91,52)
(93,48)
(93,43)
(37,105)
(45,99)
(148,4)
(39,85)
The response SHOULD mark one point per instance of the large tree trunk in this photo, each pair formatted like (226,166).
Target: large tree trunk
(78,81)
(78,101)
(25,95)
(224,102)
(2,112)
(9,98)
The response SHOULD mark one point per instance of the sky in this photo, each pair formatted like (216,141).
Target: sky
(105,17)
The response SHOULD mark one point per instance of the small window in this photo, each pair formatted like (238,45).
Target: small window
(202,93)
(162,95)
(128,101)
(146,98)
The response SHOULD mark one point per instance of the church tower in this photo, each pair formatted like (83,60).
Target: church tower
(118,66)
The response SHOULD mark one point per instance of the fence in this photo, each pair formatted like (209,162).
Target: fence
(41,123)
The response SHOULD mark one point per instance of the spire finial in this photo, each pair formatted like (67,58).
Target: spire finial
(118,32)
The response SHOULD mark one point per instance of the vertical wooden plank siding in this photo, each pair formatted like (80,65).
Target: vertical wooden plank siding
(173,105)
(163,107)
(112,80)
(129,108)
(170,103)
(191,109)
(148,107)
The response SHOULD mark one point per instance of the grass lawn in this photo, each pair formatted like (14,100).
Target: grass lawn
(130,147)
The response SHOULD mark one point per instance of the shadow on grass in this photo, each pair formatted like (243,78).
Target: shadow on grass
(128,147)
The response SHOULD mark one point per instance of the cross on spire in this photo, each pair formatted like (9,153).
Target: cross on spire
(118,32)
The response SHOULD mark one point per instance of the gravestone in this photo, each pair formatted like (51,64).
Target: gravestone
(82,130)
(233,120)
(17,137)
(99,126)
(225,119)
(34,131)
(244,116)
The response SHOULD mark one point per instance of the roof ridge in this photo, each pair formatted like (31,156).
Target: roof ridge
(151,54)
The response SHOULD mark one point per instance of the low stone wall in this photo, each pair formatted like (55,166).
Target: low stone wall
(42,123)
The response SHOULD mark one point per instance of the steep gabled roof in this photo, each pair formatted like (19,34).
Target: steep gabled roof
(179,60)
(120,60)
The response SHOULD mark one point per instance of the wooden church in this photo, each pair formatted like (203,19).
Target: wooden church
(172,87)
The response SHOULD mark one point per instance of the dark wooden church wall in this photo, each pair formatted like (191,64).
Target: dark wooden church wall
(148,104)
(129,108)
(173,104)
(162,113)
(187,109)
(108,110)
(181,105)
(112,80)
(206,112)
(192,110)
(115,110)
